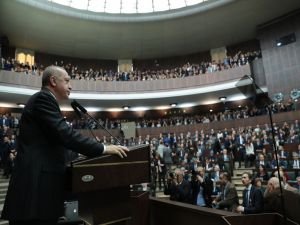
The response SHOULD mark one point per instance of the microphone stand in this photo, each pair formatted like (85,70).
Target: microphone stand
(277,163)
(77,107)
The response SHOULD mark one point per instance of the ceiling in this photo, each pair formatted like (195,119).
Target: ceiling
(121,37)
(83,34)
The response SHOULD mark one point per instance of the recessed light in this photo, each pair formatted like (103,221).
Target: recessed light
(173,104)
(126,107)
(223,98)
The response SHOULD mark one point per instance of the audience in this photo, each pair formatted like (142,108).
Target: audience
(239,59)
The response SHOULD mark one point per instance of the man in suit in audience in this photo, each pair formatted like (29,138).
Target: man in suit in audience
(261,161)
(241,150)
(272,196)
(253,201)
(228,199)
(179,188)
(295,162)
(35,194)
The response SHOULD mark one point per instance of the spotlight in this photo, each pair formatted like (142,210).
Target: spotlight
(173,104)
(223,98)
(126,107)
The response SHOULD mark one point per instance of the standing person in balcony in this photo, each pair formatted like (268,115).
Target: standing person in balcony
(35,192)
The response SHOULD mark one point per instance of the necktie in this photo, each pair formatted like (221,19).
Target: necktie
(247,197)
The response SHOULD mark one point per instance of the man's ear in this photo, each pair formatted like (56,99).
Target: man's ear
(52,81)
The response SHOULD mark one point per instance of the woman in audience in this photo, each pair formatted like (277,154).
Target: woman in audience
(262,173)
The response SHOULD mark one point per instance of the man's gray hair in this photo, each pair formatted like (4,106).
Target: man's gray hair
(275,182)
(51,71)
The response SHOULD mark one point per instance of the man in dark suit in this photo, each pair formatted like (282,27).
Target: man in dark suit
(253,200)
(35,192)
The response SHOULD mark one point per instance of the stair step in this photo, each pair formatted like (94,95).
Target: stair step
(239,188)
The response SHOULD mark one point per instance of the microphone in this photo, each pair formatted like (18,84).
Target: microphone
(76,110)
(80,109)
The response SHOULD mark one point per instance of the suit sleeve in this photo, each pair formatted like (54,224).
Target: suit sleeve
(47,112)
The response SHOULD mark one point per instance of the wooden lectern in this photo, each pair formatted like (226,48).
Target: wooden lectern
(102,185)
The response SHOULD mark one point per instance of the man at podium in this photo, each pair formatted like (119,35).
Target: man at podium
(35,192)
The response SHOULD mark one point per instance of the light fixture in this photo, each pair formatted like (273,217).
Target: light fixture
(173,104)
(126,107)
(295,94)
(210,110)
(278,97)
(285,40)
(223,98)
(21,105)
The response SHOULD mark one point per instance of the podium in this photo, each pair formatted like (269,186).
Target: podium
(102,185)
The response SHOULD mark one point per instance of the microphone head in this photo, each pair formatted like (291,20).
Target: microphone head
(75,108)
(75,104)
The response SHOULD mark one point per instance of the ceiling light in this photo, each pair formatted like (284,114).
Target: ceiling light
(173,104)
(223,98)
(210,110)
(21,105)
(126,107)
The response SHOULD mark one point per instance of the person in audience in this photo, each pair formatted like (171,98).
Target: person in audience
(261,161)
(228,200)
(167,156)
(252,197)
(282,162)
(258,184)
(272,196)
(241,150)
(284,180)
(250,154)
(161,171)
(215,174)
(297,185)
(201,188)
(36,190)
(294,163)
(179,188)
(282,153)
(225,161)
(6,149)
(262,173)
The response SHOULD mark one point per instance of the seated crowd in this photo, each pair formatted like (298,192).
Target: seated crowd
(188,69)
(167,121)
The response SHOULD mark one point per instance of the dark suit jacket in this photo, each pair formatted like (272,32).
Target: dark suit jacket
(256,201)
(37,184)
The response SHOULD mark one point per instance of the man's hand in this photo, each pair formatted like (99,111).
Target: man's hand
(240,209)
(116,150)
